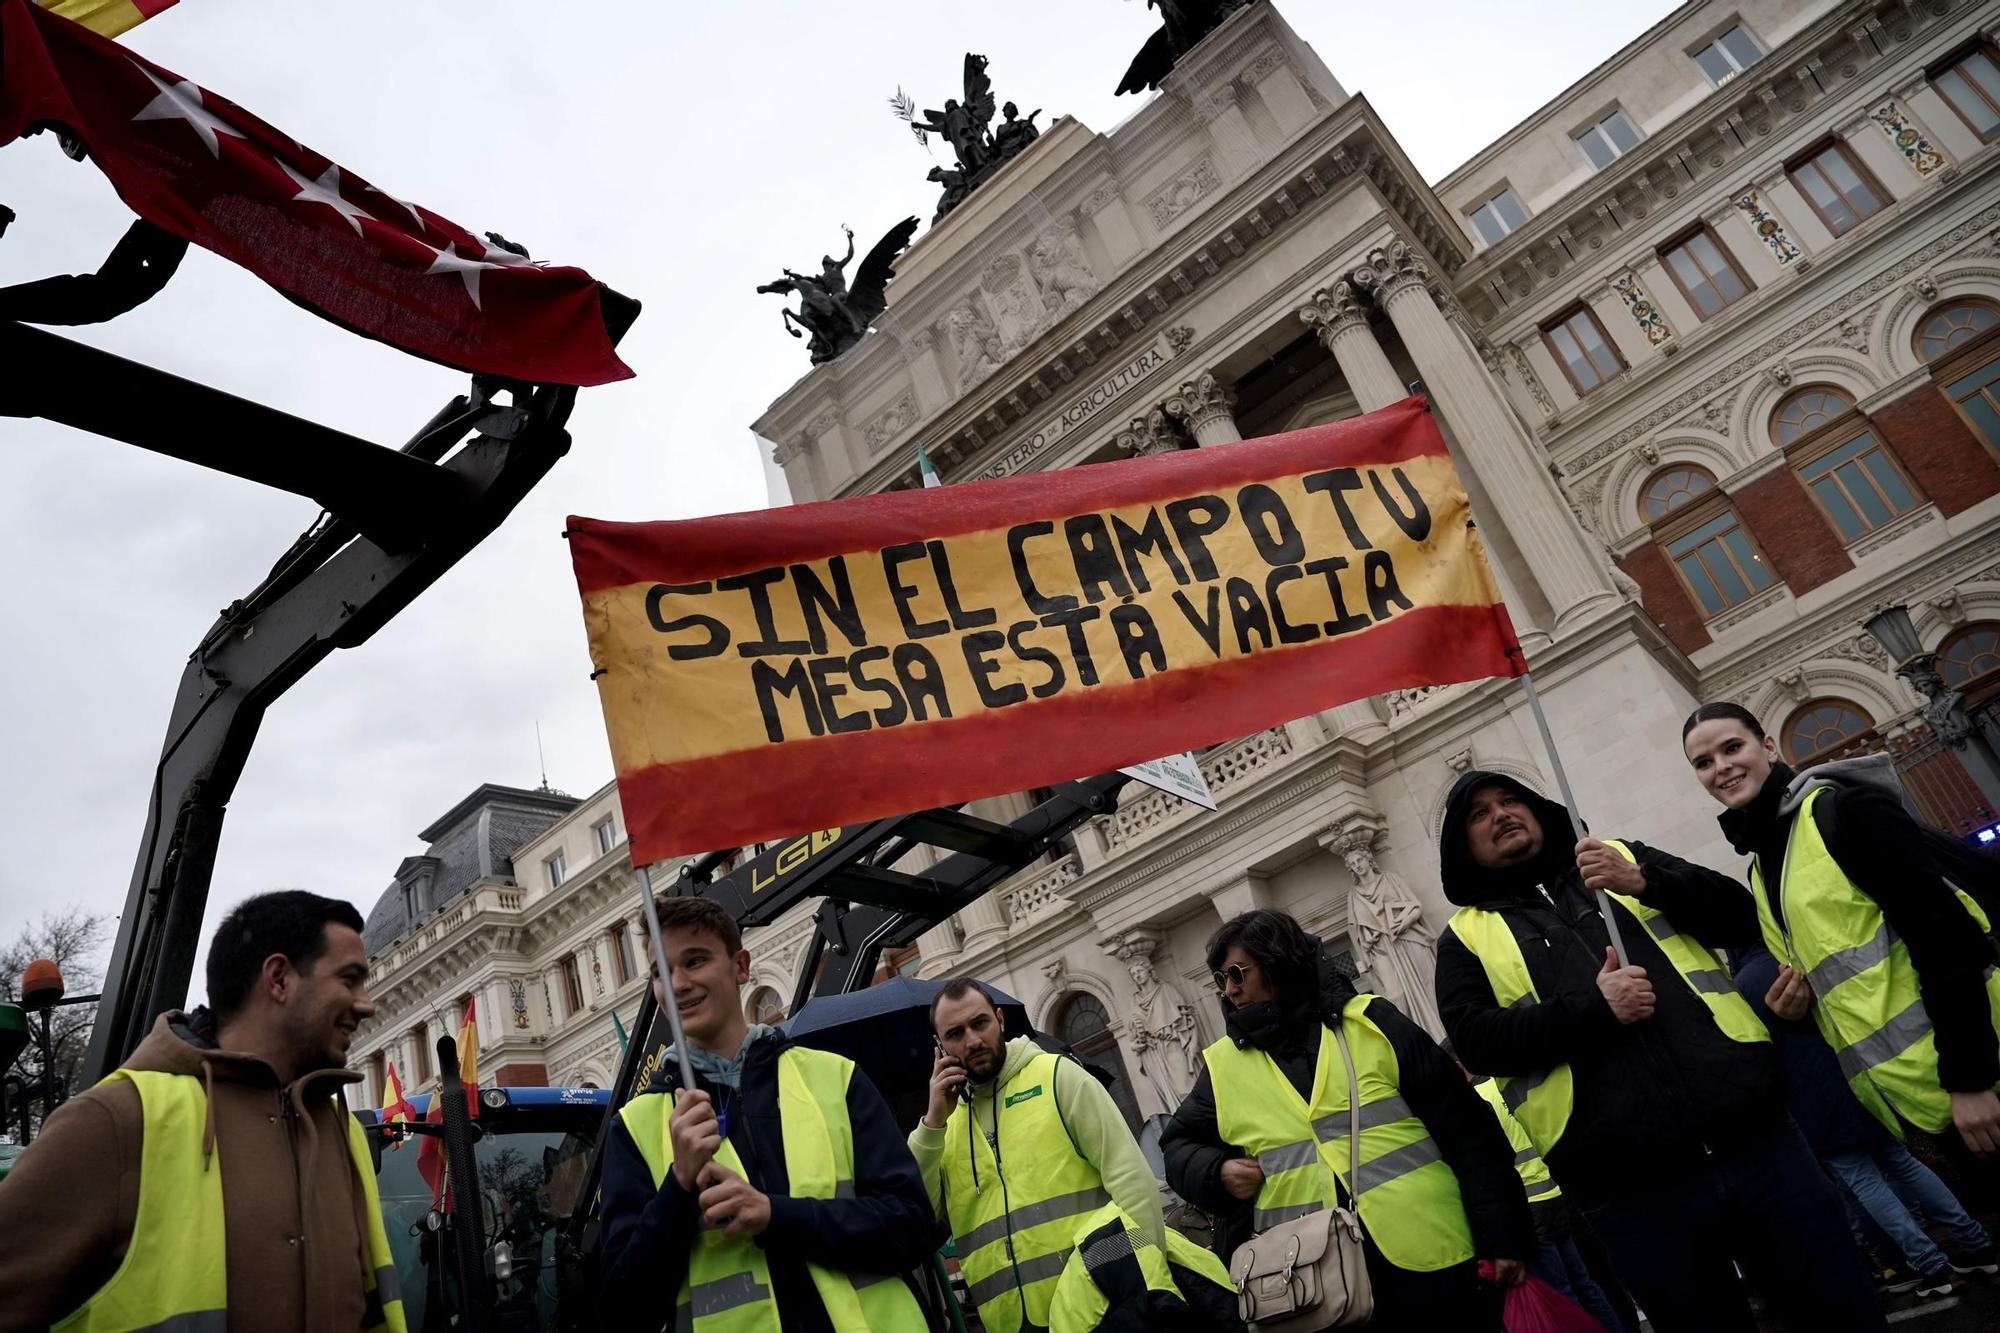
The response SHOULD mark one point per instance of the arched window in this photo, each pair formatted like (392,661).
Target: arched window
(1826,729)
(765,1006)
(1085,1027)
(1969,659)
(1953,325)
(1672,487)
(1806,410)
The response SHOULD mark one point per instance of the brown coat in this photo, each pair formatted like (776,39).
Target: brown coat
(296,1254)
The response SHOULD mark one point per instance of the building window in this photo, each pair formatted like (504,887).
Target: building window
(1839,189)
(1858,486)
(1582,348)
(1085,1025)
(1806,411)
(622,956)
(421,1039)
(1728,55)
(1608,140)
(1719,563)
(1707,274)
(1498,216)
(1971,86)
(1671,488)
(606,831)
(1969,660)
(572,985)
(1826,729)
(765,1006)
(1952,326)
(558,868)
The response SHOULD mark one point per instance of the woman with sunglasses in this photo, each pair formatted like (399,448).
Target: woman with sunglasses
(1437,1186)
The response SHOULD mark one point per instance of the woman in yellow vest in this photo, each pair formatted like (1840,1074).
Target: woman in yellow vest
(1264,1130)
(1893,962)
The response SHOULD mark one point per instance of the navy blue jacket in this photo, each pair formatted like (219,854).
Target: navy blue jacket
(887,1227)
(1816,1092)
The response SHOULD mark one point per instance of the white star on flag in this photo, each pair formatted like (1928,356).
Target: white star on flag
(403,204)
(450,261)
(182,101)
(326,190)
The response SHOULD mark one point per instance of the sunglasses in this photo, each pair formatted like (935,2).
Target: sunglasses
(1236,972)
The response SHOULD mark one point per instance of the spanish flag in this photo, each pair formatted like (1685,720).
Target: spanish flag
(395,1106)
(769,673)
(107,18)
(468,1057)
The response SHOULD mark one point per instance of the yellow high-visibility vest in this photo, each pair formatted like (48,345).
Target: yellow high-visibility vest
(727,1286)
(1866,1001)
(1528,1163)
(1109,1239)
(1015,1211)
(174,1274)
(1542,1100)
(1407,1195)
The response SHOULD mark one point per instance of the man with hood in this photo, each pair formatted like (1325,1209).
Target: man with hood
(1263,1132)
(1650,1089)
(217,1178)
(778,1181)
(1024,1154)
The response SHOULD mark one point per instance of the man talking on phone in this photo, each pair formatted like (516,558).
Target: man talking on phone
(1027,1159)
(773,1194)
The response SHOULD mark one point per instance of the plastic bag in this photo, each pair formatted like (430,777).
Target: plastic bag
(1536,1307)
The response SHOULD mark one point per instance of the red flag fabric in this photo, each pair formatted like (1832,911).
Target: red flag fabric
(206,170)
(430,1157)
(468,1057)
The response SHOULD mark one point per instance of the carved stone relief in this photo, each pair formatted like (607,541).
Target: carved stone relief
(1183,193)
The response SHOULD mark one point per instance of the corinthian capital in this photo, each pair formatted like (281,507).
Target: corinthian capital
(1152,433)
(1200,400)
(1391,270)
(1333,310)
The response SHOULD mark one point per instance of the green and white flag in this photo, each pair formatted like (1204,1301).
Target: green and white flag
(924,466)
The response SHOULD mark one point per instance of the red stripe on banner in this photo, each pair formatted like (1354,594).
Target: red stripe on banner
(152,7)
(611,555)
(765,794)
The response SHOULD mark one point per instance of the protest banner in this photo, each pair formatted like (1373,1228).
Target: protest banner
(768,673)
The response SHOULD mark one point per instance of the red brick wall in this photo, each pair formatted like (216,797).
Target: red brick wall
(1793,533)
(1946,460)
(1665,599)
(520,1076)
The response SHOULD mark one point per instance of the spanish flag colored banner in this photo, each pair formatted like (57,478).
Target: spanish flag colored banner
(107,18)
(767,673)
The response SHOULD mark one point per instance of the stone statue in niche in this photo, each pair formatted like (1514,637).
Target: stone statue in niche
(1161,1026)
(1062,271)
(1392,940)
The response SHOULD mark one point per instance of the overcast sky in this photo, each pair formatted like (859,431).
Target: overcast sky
(682,153)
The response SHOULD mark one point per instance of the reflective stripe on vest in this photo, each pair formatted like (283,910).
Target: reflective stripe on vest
(1014,1217)
(1407,1195)
(1114,1260)
(173,1277)
(1541,1099)
(1528,1163)
(1866,1001)
(727,1286)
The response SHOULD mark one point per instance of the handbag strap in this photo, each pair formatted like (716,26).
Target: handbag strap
(1353,1119)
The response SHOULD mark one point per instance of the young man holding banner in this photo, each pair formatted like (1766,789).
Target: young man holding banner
(778,1182)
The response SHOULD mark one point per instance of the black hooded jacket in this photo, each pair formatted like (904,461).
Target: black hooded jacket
(1462,1125)
(1650,1097)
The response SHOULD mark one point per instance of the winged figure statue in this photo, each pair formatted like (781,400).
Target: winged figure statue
(967,125)
(833,314)
(1183,24)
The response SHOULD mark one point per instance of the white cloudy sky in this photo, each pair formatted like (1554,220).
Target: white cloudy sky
(680,152)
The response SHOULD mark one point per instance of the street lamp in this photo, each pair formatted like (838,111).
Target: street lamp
(1944,707)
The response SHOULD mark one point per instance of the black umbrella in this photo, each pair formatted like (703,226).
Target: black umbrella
(886,1030)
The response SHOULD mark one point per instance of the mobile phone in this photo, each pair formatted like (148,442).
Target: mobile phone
(964,1089)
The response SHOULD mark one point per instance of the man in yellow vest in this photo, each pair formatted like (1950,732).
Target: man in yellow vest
(1650,1089)
(776,1194)
(1023,1153)
(216,1180)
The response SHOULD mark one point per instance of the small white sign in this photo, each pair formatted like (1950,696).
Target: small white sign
(1177,775)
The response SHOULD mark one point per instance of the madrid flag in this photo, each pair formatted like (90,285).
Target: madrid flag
(769,673)
(206,170)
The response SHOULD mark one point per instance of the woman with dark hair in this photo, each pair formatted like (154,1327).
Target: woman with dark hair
(1887,955)
(1263,1135)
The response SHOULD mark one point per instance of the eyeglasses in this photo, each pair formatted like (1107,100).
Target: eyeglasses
(1236,972)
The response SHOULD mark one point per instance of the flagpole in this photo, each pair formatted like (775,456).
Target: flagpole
(1569,797)
(667,1001)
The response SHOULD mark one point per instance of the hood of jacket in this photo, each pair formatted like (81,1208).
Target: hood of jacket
(1470,884)
(1868,770)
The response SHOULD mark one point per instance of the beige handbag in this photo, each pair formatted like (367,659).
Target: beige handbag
(1310,1273)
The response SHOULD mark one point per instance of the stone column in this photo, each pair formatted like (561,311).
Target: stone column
(1205,406)
(1340,314)
(1509,464)
(1153,433)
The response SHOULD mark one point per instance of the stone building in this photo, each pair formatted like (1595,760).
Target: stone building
(1714,335)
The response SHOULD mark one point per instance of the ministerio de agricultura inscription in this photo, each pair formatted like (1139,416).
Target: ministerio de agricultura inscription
(1086,406)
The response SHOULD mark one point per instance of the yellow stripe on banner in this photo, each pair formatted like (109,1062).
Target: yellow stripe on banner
(670,696)
(106,17)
